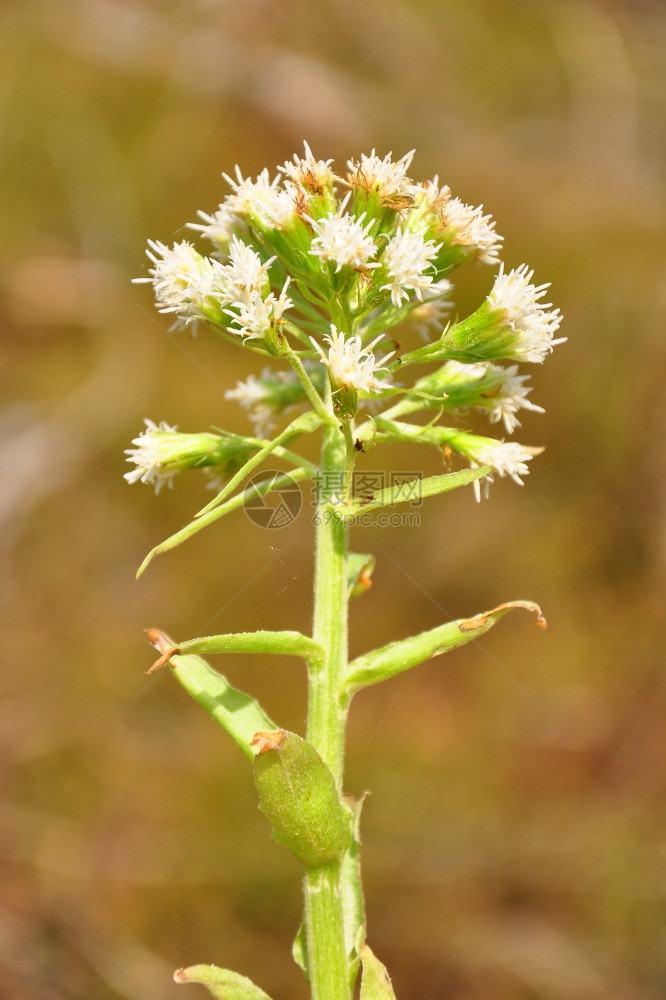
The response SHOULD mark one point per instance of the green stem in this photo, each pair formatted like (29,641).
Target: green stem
(326,722)
(324,919)
(327,960)
(305,380)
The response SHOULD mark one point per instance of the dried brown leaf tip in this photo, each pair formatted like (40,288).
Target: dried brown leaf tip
(163,644)
(471,624)
(268,740)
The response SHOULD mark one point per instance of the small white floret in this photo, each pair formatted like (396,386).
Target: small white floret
(185,283)
(534,322)
(218,227)
(314,175)
(388,175)
(429,195)
(350,364)
(149,456)
(343,240)
(431,314)
(255,315)
(508,458)
(473,228)
(245,271)
(407,258)
(262,199)
(511,397)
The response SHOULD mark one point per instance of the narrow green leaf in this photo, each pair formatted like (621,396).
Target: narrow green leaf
(280,643)
(353,902)
(221,983)
(305,423)
(240,715)
(360,566)
(297,793)
(419,489)
(299,950)
(399,656)
(259,489)
(375,980)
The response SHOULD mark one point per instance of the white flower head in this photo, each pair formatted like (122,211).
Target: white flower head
(263,397)
(407,257)
(252,397)
(429,196)
(499,392)
(185,283)
(534,322)
(508,458)
(389,176)
(343,239)
(473,229)
(246,272)
(150,456)
(218,227)
(435,307)
(255,315)
(510,397)
(264,200)
(350,364)
(315,176)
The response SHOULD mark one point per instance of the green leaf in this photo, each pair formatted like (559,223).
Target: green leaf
(399,656)
(419,489)
(280,643)
(360,566)
(303,424)
(353,903)
(375,980)
(240,715)
(259,489)
(299,950)
(297,793)
(221,983)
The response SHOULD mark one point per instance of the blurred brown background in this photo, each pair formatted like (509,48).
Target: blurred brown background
(514,844)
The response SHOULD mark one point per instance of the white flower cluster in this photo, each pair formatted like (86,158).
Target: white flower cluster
(201,288)
(344,240)
(304,271)
(517,300)
(350,364)
(508,458)
(185,283)
(372,172)
(473,229)
(407,258)
(501,391)
(150,454)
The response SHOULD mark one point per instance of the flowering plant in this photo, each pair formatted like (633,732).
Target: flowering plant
(313,271)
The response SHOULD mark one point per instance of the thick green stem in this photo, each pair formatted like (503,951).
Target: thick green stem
(324,919)
(326,719)
(326,953)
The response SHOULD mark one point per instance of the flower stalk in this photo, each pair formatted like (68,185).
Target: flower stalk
(312,269)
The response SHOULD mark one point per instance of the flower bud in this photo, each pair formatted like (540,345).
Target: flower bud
(161,451)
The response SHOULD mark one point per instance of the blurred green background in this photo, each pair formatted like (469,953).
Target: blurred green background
(514,844)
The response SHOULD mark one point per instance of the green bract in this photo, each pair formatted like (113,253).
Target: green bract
(297,793)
